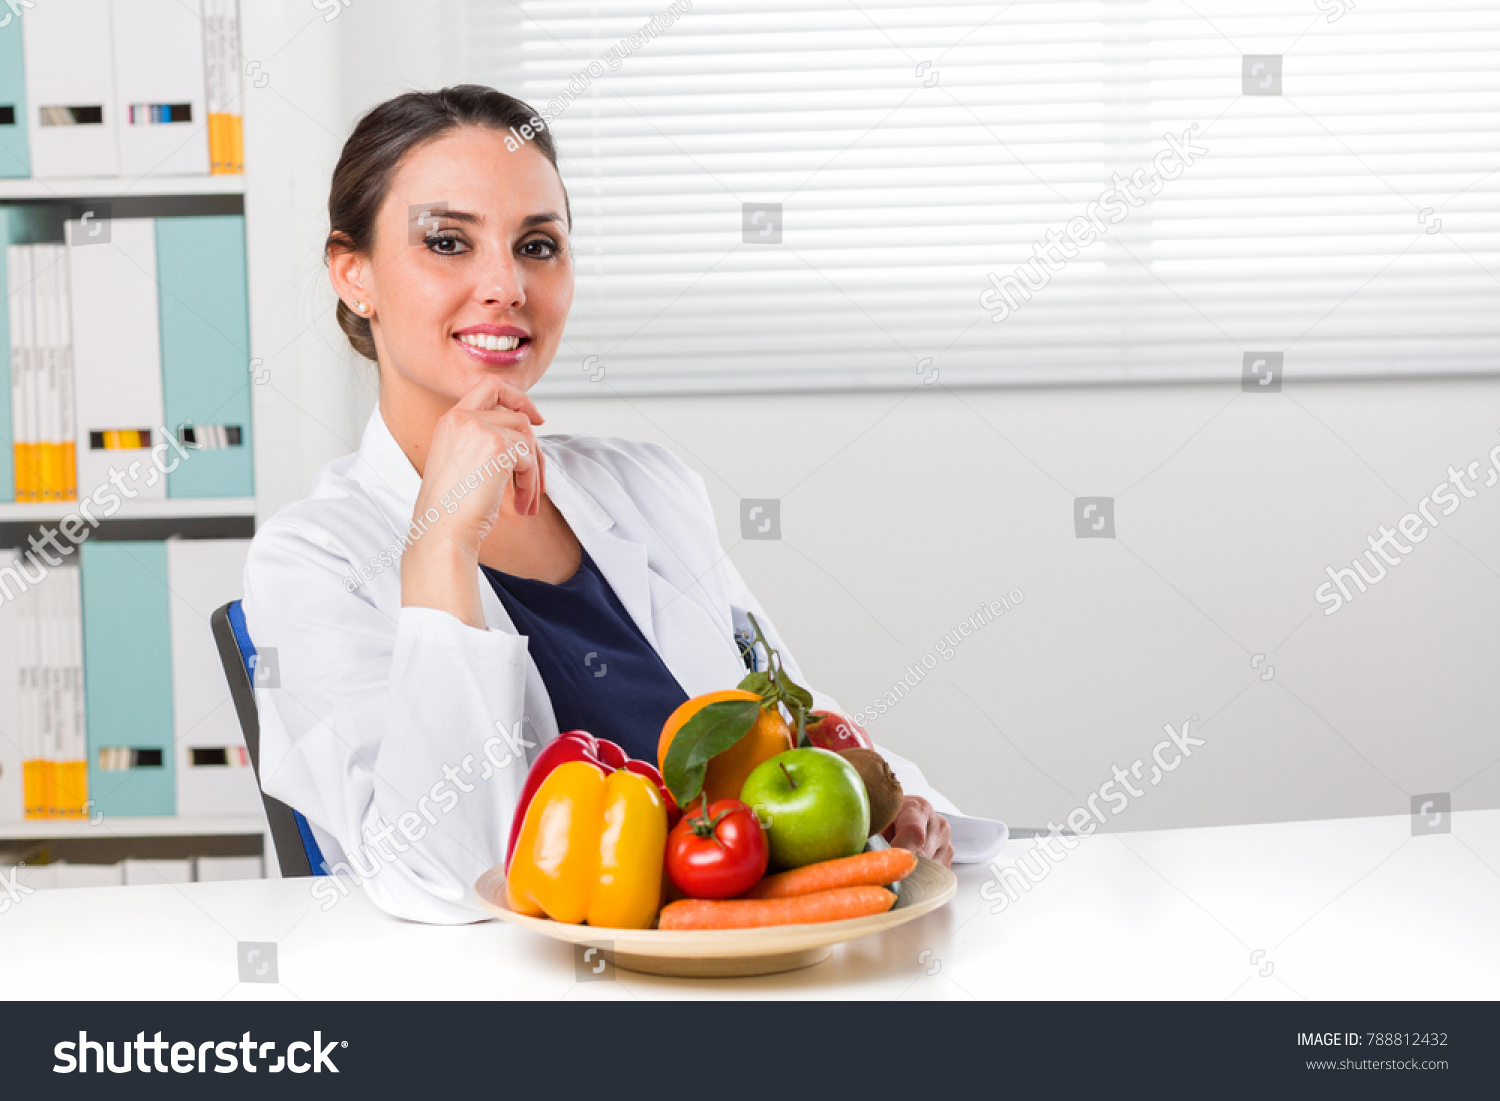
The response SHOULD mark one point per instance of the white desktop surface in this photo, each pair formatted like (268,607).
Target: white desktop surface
(1347,908)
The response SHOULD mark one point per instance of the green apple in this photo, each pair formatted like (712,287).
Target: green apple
(813,805)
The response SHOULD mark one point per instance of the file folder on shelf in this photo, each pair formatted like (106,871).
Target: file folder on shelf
(12,337)
(213,773)
(116,355)
(205,353)
(224,64)
(159,96)
(70,114)
(42,769)
(127,658)
(12,756)
(15,153)
(39,393)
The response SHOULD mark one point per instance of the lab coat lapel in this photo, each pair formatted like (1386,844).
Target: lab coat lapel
(695,651)
(393,482)
(623,562)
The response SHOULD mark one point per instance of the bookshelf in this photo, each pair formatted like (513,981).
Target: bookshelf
(71,829)
(44,203)
(172,508)
(63,190)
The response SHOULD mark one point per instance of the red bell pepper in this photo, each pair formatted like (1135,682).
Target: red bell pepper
(580,745)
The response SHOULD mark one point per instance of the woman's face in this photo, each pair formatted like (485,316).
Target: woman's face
(481,288)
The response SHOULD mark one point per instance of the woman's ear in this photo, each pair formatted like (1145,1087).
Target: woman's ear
(349,272)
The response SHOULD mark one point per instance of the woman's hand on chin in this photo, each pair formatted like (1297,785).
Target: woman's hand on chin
(478,448)
(486,436)
(921,829)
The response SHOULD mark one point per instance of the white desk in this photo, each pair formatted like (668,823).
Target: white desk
(1343,909)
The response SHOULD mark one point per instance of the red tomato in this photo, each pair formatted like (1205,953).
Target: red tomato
(718,854)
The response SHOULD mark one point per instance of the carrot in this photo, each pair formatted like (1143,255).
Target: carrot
(754,913)
(874,868)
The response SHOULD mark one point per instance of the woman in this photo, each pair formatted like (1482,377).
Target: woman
(459,590)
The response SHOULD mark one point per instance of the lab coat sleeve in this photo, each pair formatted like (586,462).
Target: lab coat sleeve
(742,600)
(399,736)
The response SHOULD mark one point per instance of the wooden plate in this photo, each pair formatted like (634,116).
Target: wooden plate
(721,953)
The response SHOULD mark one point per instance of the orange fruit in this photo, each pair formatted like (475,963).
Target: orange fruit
(726,773)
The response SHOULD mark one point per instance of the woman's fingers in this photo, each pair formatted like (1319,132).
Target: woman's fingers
(922,830)
(941,839)
(910,828)
(490,392)
(492,419)
(527,474)
(526,492)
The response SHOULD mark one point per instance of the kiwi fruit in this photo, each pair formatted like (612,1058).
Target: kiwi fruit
(880,784)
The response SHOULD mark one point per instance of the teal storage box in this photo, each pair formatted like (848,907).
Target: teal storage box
(127,678)
(15,151)
(205,353)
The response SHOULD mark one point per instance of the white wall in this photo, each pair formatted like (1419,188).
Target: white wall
(313,405)
(902,512)
(312,78)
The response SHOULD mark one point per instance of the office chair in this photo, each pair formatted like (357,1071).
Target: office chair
(296,848)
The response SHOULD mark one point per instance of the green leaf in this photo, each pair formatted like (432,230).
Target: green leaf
(707,734)
(759,683)
(798,693)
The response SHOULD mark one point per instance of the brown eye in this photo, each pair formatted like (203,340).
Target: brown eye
(445,245)
(540,248)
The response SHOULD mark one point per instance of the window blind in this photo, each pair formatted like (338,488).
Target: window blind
(927,175)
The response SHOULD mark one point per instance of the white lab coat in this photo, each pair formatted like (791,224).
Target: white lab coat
(380,724)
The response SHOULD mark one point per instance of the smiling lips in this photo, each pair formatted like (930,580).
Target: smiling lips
(496,344)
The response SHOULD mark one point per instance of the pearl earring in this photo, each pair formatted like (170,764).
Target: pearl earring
(362,307)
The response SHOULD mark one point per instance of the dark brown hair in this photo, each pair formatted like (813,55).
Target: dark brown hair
(387,133)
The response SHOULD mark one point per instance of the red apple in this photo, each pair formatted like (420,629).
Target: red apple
(832,731)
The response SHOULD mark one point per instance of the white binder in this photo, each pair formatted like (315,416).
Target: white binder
(70,81)
(213,773)
(160,99)
(116,352)
(22,348)
(11,737)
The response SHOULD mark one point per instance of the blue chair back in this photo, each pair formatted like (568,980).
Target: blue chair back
(297,849)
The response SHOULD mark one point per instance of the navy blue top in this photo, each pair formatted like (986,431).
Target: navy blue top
(602,674)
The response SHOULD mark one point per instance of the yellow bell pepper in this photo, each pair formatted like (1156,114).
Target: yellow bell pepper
(591,849)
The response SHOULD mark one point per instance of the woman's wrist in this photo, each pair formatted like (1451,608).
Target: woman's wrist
(443,573)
